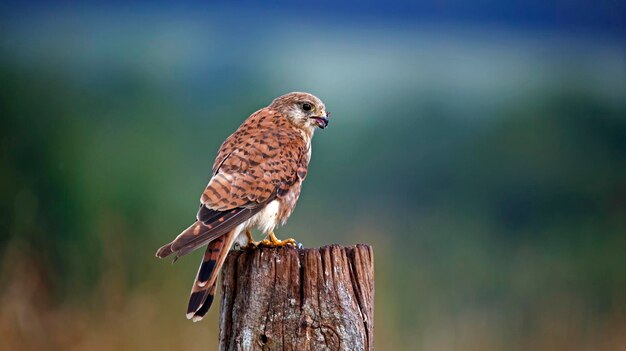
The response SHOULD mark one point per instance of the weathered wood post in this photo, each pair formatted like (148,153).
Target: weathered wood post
(298,299)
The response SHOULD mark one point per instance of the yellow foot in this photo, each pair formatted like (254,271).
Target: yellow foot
(273,241)
(251,243)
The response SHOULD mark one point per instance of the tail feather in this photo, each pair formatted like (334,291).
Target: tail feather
(206,305)
(204,286)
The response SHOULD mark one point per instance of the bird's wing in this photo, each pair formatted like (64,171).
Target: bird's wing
(258,162)
(259,158)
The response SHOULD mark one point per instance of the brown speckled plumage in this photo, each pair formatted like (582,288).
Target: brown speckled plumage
(257,162)
(256,182)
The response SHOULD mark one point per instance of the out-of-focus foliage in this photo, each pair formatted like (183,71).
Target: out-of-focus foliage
(486,165)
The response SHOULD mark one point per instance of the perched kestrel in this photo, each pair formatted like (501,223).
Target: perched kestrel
(256,182)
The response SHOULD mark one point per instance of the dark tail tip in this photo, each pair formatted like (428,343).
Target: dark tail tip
(204,308)
(200,303)
(195,300)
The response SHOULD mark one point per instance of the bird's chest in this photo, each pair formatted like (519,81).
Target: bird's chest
(288,201)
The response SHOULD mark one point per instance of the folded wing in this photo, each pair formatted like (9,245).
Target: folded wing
(257,163)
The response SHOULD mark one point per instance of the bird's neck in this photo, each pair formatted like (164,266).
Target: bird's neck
(307,134)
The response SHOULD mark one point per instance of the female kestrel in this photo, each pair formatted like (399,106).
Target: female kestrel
(256,182)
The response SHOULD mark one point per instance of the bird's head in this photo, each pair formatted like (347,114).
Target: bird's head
(306,111)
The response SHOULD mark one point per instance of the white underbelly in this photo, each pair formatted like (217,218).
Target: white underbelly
(267,219)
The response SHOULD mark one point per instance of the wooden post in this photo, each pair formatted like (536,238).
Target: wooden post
(298,299)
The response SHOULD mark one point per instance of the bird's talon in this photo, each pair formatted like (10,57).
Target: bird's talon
(273,241)
(251,243)
(289,241)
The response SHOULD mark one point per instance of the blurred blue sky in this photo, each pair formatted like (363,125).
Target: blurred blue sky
(607,16)
(462,51)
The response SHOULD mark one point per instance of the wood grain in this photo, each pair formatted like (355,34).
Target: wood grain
(298,299)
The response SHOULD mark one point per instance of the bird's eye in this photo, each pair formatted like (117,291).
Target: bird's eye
(306,106)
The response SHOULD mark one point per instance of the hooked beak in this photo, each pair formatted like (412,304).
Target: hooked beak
(322,121)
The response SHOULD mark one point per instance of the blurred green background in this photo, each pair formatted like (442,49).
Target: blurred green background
(480,149)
